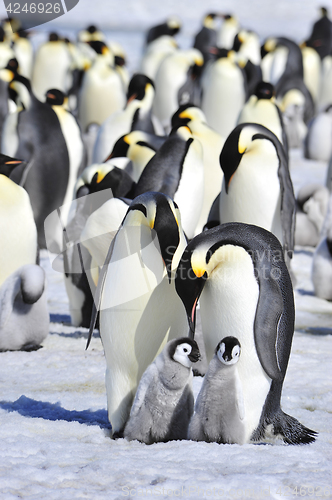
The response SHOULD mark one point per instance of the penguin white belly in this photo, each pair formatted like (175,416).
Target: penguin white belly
(278,64)
(223,96)
(312,71)
(9,136)
(190,192)
(263,112)
(140,312)
(319,137)
(228,307)
(253,194)
(51,69)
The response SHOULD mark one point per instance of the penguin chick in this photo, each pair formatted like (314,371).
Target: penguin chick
(219,409)
(164,401)
(24,317)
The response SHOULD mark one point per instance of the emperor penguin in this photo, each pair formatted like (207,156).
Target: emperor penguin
(96,185)
(23,51)
(219,409)
(136,114)
(24,317)
(212,143)
(91,34)
(170,27)
(321,34)
(139,310)
(262,108)
(311,207)
(227,31)
(136,148)
(52,67)
(12,167)
(17,227)
(257,187)
(238,273)
(318,143)
(154,53)
(177,170)
(42,144)
(102,91)
(206,39)
(321,268)
(312,71)
(224,92)
(76,150)
(164,401)
(170,78)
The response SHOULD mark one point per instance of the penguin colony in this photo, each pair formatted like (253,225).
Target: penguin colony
(161,191)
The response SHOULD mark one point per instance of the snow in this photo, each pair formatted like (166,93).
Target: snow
(54,431)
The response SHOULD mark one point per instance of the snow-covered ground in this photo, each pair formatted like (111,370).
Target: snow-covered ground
(54,431)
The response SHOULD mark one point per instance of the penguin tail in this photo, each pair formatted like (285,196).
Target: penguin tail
(292,431)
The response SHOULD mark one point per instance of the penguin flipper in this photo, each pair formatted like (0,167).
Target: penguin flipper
(99,292)
(288,207)
(150,374)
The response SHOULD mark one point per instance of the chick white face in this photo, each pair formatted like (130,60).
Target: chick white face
(228,351)
(185,354)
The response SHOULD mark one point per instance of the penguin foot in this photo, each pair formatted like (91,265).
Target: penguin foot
(118,434)
(30,347)
(286,427)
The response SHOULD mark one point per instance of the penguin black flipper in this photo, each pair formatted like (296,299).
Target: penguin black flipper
(288,206)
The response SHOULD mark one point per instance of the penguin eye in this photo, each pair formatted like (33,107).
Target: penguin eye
(185,349)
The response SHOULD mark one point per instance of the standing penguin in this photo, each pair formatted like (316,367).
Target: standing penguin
(206,39)
(257,188)
(170,28)
(261,108)
(102,91)
(164,401)
(320,38)
(177,170)
(17,227)
(224,92)
(139,310)
(219,408)
(239,274)
(136,115)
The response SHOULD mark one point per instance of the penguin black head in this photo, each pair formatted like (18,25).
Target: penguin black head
(264,90)
(53,37)
(162,215)
(137,86)
(221,53)
(228,350)
(8,165)
(98,46)
(91,29)
(120,148)
(55,97)
(184,351)
(177,119)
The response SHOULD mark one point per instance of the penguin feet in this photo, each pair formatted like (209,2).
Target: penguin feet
(286,427)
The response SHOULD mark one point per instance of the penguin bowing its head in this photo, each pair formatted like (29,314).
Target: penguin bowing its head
(239,274)
(164,401)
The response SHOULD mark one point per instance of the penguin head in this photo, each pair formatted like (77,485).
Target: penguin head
(264,90)
(160,213)
(245,138)
(55,97)
(187,113)
(228,351)
(8,165)
(122,146)
(53,37)
(139,85)
(184,351)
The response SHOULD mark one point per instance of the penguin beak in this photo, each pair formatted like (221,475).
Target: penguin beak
(195,355)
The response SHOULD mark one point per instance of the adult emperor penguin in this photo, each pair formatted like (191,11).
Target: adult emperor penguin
(247,46)
(52,67)
(136,114)
(212,143)
(239,274)
(257,188)
(170,27)
(76,150)
(42,144)
(24,318)
(262,108)
(18,228)
(317,143)
(170,78)
(23,50)
(139,310)
(102,91)
(206,39)
(224,92)
(227,32)
(219,409)
(164,401)
(321,35)
(177,170)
